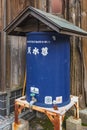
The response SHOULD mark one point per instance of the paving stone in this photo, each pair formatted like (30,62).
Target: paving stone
(23,125)
(39,127)
(73,124)
(83,115)
(84,128)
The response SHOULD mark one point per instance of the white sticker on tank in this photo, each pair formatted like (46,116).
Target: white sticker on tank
(34,90)
(48,100)
(59,99)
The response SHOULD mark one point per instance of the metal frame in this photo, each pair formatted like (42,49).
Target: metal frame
(55,116)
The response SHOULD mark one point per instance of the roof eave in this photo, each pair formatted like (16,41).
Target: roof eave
(26,13)
(72,33)
(10,29)
(17,21)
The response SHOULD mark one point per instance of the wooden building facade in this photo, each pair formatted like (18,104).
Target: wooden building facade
(12,49)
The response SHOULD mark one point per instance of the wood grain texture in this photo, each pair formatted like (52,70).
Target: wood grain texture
(13,60)
(84,45)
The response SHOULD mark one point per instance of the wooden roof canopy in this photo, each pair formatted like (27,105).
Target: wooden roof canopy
(32,19)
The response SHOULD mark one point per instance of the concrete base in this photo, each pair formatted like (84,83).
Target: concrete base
(83,115)
(73,124)
(23,125)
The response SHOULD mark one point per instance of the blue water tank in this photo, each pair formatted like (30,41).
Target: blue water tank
(48,68)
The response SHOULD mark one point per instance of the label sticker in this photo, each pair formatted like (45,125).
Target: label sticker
(59,99)
(48,100)
(34,90)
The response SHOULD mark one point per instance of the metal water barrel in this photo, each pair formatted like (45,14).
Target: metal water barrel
(48,68)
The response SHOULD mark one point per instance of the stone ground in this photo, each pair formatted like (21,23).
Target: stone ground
(40,124)
(45,124)
(84,128)
(83,115)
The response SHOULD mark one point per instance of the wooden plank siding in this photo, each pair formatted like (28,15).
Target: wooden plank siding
(3,46)
(12,49)
(15,48)
(16,45)
(0,58)
(84,45)
(15,61)
(8,78)
(0,37)
(0,14)
(14,7)
(78,52)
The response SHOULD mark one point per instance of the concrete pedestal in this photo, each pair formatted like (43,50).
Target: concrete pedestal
(23,125)
(83,115)
(73,124)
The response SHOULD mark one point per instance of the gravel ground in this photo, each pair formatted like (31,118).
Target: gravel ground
(45,124)
(84,127)
(41,124)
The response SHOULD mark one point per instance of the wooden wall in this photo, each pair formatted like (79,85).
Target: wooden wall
(0,38)
(15,61)
(77,15)
(14,7)
(15,48)
(0,14)
(0,59)
(84,45)
(12,67)
(16,45)
(12,49)
(2,45)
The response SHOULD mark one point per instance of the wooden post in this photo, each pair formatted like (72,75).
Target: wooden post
(16,113)
(3,47)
